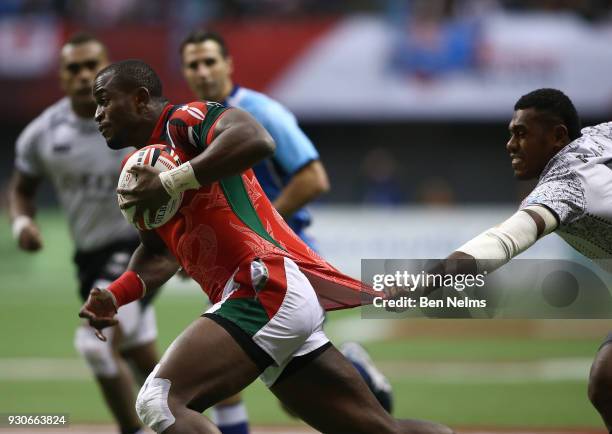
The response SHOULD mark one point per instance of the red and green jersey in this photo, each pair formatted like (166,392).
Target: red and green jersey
(231,221)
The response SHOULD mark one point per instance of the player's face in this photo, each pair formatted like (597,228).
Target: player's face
(79,65)
(116,112)
(207,72)
(532,143)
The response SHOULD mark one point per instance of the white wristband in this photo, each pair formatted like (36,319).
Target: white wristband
(19,224)
(179,179)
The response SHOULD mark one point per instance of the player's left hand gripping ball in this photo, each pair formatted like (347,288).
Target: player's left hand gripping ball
(147,193)
(142,198)
(100,309)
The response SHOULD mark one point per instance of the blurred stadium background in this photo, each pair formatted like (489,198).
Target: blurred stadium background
(408,103)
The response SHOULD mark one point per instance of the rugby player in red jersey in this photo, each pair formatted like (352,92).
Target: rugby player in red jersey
(268,288)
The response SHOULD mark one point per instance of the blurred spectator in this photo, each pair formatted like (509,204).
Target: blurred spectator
(435,191)
(11,6)
(434,37)
(190,13)
(381,185)
(593,10)
(25,7)
(110,12)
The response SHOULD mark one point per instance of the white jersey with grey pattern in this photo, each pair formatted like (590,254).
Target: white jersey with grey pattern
(576,185)
(71,152)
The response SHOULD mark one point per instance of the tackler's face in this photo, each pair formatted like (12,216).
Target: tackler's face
(532,143)
(206,70)
(116,111)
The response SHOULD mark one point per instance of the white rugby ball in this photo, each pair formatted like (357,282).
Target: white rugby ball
(163,158)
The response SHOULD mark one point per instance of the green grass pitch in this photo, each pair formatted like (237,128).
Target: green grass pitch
(471,381)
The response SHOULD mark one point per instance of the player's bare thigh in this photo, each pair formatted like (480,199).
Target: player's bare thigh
(330,395)
(205,364)
(600,382)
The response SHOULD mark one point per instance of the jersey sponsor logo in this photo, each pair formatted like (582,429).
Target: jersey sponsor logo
(92,185)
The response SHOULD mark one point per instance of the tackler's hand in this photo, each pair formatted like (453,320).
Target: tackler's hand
(146,193)
(394,293)
(100,309)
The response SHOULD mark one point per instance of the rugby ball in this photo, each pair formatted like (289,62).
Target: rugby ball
(161,157)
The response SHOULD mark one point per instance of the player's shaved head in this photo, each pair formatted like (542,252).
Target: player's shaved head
(543,123)
(131,74)
(553,105)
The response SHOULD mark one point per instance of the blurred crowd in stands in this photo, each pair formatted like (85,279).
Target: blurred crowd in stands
(111,12)
(432,39)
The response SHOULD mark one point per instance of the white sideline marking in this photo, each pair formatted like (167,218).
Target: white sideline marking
(543,370)
(34,368)
(353,329)
(547,370)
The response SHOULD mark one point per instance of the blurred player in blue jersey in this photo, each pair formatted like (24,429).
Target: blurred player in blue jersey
(292,178)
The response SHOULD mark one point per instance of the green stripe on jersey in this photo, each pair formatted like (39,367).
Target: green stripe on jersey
(214,110)
(238,199)
(246,313)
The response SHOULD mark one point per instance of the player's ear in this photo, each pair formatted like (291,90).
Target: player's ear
(142,98)
(561,135)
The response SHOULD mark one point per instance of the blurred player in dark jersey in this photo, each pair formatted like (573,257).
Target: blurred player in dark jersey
(64,146)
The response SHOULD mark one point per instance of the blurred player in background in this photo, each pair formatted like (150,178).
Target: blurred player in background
(266,319)
(293,177)
(64,145)
(573,197)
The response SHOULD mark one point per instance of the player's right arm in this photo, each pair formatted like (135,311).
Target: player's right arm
(151,265)
(24,185)
(498,245)
(494,247)
(232,144)
(237,142)
(558,198)
(21,195)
